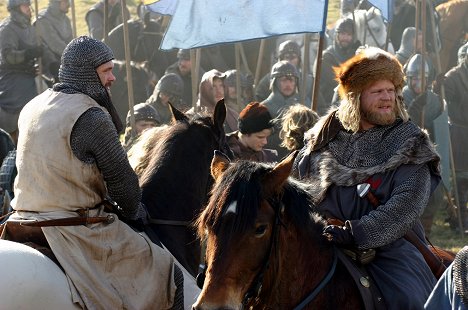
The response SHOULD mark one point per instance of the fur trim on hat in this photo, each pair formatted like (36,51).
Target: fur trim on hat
(370,65)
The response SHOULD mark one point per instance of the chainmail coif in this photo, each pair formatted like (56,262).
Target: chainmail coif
(77,73)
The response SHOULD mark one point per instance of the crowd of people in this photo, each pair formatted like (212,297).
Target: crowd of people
(375,122)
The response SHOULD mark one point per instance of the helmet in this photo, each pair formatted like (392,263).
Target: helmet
(283,68)
(414,67)
(143,111)
(462,51)
(230,79)
(345,25)
(171,84)
(183,54)
(16,3)
(288,46)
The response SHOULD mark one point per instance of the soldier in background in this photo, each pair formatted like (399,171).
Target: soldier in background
(183,68)
(95,18)
(146,117)
(290,51)
(456,90)
(19,49)
(284,79)
(230,97)
(343,47)
(423,106)
(55,32)
(170,88)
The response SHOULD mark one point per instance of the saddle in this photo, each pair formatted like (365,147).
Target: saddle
(28,235)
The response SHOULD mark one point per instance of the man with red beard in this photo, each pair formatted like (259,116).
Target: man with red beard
(372,170)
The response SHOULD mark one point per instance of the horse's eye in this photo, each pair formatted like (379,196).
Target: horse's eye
(260,230)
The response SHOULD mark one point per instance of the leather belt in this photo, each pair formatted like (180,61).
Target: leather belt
(83,219)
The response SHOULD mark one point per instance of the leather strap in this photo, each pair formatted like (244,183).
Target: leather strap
(71,221)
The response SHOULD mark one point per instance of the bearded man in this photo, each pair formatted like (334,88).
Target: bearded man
(369,140)
(69,161)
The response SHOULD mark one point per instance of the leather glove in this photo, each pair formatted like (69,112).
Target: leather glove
(339,234)
(33,52)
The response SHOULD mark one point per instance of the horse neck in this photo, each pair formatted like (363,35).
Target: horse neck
(301,261)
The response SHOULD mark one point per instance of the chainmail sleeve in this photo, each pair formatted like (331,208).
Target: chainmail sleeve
(391,221)
(95,140)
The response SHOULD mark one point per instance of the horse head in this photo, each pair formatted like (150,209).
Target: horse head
(370,28)
(262,238)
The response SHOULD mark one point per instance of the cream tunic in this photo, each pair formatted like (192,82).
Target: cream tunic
(109,266)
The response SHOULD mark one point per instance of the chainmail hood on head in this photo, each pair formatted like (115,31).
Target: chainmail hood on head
(77,73)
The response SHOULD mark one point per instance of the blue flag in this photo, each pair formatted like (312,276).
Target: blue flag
(198,23)
(385,7)
(164,7)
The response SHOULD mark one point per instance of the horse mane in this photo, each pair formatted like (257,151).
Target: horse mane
(242,183)
(167,143)
(139,153)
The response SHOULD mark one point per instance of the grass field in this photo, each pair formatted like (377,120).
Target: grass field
(442,235)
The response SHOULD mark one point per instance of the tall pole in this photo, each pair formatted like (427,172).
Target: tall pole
(305,69)
(73,15)
(259,61)
(317,71)
(128,67)
(237,48)
(39,85)
(105,21)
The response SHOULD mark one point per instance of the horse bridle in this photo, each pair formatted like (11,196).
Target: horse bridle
(370,31)
(256,286)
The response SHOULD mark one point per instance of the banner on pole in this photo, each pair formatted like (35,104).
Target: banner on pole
(164,7)
(385,7)
(198,23)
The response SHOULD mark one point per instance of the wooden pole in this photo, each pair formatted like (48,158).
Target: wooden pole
(39,87)
(237,47)
(423,55)
(128,67)
(195,55)
(259,62)
(105,24)
(73,15)
(305,69)
(245,63)
(317,71)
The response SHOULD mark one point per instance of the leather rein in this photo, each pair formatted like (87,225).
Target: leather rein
(256,286)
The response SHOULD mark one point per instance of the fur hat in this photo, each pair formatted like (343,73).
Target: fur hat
(254,118)
(370,65)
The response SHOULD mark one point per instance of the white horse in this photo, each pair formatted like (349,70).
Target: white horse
(30,280)
(370,28)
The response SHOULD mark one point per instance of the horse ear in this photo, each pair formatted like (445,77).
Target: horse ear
(276,178)
(219,164)
(176,114)
(219,115)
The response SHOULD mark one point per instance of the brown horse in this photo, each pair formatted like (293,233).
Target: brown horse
(265,247)
(453,27)
(176,182)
